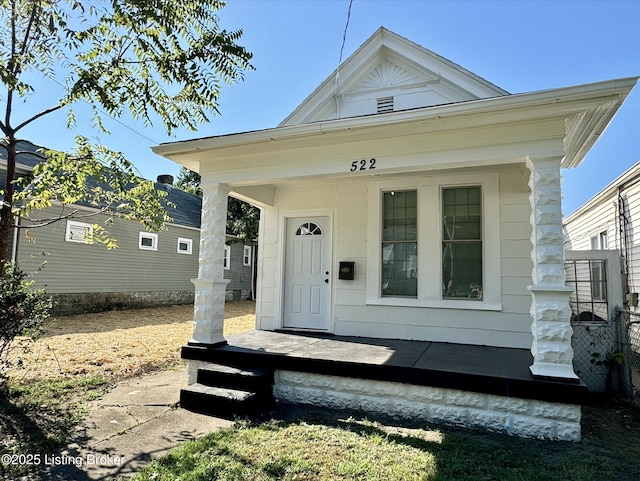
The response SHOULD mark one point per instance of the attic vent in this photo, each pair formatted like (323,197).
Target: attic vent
(385,104)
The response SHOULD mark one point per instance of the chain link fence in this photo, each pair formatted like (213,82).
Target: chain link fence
(595,336)
(595,347)
(606,338)
(628,357)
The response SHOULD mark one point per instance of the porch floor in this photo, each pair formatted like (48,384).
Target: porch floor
(490,370)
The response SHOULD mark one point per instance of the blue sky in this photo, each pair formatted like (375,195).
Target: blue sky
(521,46)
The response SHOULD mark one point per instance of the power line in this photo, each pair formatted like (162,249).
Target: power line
(155,142)
(344,39)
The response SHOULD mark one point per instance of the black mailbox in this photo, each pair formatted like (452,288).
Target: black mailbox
(346,271)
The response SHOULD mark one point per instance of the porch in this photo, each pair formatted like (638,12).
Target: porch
(485,370)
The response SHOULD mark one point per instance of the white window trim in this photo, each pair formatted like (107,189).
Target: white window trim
(227,258)
(148,235)
(429,190)
(184,240)
(246,256)
(83,225)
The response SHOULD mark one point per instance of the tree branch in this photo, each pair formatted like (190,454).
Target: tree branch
(27,33)
(37,116)
(35,223)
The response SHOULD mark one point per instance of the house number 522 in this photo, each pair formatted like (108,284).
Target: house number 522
(363,165)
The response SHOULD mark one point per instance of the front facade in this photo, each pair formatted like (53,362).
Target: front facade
(410,200)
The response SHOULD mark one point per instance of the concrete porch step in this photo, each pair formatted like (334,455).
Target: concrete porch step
(228,391)
(236,377)
(220,402)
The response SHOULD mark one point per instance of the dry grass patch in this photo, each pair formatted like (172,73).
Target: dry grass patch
(118,343)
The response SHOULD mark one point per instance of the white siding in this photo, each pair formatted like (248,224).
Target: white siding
(602,215)
(348,201)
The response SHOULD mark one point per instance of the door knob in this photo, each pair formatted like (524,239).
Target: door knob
(326,281)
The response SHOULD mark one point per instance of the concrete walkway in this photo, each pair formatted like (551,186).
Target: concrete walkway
(135,422)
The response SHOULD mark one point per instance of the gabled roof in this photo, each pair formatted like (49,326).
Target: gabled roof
(628,177)
(390,65)
(187,206)
(28,156)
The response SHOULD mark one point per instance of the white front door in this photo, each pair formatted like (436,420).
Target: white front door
(307,273)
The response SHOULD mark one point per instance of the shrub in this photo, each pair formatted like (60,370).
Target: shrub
(22,311)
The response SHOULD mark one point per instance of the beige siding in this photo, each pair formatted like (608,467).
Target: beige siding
(73,267)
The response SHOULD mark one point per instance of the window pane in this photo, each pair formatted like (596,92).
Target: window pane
(400,269)
(146,241)
(400,216)
(461,214)
(462,243)
(462,270)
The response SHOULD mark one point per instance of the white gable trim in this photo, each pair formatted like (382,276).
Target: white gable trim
(384,45)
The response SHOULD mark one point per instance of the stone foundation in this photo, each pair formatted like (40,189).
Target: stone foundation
(237,295)
(83,302)
(520,417)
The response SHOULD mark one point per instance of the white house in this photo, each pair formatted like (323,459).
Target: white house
(407,198)
(607,222)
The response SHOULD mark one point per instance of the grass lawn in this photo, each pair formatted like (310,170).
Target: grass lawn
(38,416)
(78,359)
(315,444)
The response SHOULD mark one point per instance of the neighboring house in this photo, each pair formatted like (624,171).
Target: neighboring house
(239,268)
(408,199)
(606,222)
(147,269)
(604,269)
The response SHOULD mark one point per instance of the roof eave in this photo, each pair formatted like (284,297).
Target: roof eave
(596,106)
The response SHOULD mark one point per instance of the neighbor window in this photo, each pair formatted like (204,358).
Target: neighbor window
(227,257)
(600,241)
(148,241)
(400,244)
(185,246)
(246,257)
(461,243)
(78,232)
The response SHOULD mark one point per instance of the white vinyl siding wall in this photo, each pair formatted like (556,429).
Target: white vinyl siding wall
(602,216)
(507,325)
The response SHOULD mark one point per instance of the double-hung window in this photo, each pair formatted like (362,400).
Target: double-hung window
(462,243)
(400,244)
(436,242)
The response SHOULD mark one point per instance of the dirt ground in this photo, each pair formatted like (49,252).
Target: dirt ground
(117,344)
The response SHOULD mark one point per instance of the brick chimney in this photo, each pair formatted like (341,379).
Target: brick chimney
(165,179)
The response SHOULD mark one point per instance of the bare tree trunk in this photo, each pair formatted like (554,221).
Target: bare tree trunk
(6,217)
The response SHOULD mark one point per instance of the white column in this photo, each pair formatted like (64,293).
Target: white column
(210,286)
(550,309)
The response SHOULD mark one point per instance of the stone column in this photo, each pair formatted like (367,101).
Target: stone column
(210,286)
(550,309)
